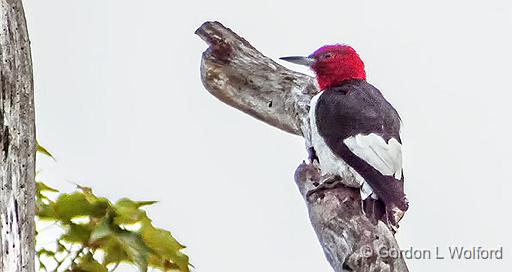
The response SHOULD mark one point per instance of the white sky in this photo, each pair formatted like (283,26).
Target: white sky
(120,104)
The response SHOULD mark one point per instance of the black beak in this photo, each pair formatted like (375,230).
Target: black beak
(307,61)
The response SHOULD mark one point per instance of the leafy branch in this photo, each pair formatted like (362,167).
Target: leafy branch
(98,234)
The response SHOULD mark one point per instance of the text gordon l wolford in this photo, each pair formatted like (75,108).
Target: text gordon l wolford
(441,253)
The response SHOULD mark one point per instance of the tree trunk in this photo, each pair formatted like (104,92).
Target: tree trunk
(240,76)
(17,141)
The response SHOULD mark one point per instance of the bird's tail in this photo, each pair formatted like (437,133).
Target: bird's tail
(376,210)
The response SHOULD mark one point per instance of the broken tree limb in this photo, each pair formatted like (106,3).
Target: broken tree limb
(351,242)
(240,76)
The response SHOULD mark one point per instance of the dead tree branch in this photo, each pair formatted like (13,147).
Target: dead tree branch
(17,141)
(240,76)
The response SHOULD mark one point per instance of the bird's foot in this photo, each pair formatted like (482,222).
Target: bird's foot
(312,157)
(393,216)
(327,183)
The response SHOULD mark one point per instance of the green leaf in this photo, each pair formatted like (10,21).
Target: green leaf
(45,252)
(102,230)
(77,233)
(127,212)
(72,205)
(44,151)
(135,248)
(89,264)
(45,212)
(163,243)
(126,202)
(90,196)
(145,203)
(114,252)
(41,187)
(61,247)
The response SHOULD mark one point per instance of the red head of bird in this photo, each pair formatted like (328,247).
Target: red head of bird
(333,64)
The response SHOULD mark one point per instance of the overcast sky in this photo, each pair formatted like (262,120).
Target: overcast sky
(120,104)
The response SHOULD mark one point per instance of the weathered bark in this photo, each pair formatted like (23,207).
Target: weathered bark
(17,141)
(240,76)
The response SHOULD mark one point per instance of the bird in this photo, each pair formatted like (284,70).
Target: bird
(355,132)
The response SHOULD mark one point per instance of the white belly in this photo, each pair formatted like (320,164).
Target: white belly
(330,163)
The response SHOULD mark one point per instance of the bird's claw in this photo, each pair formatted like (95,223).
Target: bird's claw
(312,157)
(326,184)
(393,216)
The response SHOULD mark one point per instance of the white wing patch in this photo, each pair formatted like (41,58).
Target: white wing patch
(385,157)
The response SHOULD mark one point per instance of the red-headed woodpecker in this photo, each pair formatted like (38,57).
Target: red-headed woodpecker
(355,130)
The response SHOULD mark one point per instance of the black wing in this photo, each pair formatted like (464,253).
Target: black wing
(357,108)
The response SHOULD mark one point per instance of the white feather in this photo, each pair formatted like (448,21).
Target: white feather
(385,157)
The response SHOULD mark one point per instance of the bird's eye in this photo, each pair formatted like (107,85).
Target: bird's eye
(327,56)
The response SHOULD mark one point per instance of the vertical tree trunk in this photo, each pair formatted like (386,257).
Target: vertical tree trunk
(17,141)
